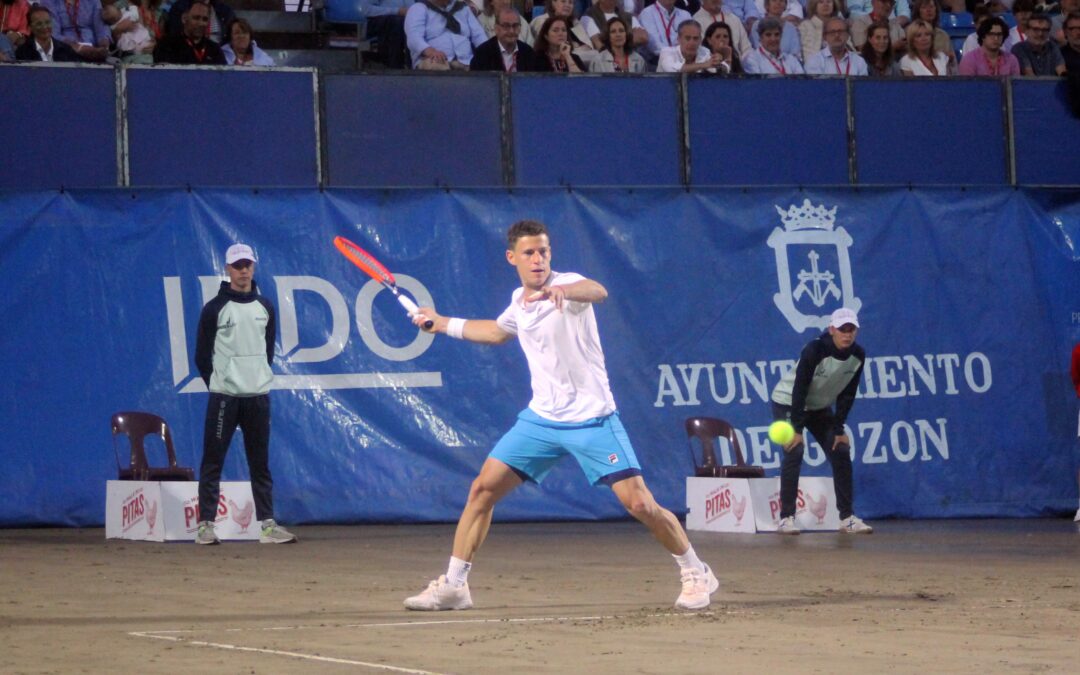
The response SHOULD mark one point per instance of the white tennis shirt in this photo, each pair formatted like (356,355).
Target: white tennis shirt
(569,378)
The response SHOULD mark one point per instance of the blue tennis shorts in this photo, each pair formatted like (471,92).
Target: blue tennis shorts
(601,447)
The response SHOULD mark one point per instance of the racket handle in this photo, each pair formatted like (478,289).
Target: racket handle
(413,310)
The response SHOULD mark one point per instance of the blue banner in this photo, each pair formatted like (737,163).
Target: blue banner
(968,303)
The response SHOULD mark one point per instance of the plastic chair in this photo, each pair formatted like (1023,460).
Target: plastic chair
(1008,18)
(958,20)
(707,430)
(137,426)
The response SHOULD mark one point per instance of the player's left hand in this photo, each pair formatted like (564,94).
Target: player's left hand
(553,293)
(841,439)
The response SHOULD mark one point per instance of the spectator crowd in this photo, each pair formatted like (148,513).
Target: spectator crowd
(184,32)
(882,38)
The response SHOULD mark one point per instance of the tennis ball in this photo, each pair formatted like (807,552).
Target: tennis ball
(781,432)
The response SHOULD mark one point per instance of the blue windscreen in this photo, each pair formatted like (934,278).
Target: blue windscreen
(585,130)
(927,131)
(206,127)
(1047,133)
(60,126)
(413,130)
(767,132)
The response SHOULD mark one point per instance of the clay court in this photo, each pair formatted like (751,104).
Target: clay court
(915,597)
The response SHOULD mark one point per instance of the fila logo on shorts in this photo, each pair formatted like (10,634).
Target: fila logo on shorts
(613,458)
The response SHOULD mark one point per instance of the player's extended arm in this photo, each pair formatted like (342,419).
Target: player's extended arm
(586,290)
(483,331)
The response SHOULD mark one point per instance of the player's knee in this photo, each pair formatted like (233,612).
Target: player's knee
(481,494)
(641,506)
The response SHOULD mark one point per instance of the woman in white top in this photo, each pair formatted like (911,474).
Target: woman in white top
(241,49)
(617,56)
(922,60)
(811,30)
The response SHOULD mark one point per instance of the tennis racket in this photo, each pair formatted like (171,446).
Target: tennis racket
(376,271)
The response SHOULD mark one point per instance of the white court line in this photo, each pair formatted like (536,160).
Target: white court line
(295,655)
(170,634)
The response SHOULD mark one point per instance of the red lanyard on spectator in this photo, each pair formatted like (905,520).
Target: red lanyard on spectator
(200,54)
(847,70)
(779,66)
(1020,32)
(666,24)
(996,67)
(715,20)
(74,17)
(623,67)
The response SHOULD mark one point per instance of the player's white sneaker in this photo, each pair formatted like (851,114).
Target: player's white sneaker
(697,586)
(439,595)
(787,526)
(854,525)
(205,534)
(1076,518)
(272,533)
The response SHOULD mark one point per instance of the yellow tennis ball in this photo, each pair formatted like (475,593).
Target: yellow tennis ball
(781,432)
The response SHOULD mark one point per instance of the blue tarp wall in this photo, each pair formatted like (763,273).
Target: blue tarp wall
(967,294)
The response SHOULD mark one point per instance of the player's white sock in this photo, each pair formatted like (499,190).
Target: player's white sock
(458,572)
(689,560)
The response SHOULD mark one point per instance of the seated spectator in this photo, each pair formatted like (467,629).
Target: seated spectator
(552,48)
(767,59)
(221,15)
(191,47)
(1057,22)
(878,53)
(595,20)
(1021,11)
(617,55)
(506,51)
(793,10)
(441,34)
(746,10)
(882,12)
(386,23)
(1071,51)
(133,39)
(1038,55)
(835,59)
(241,49)
(930,12)
(922,58)
(979,14)
(790,42)
(13,21)
(712,11)
(989,58)
(41,46)
(490,16)
(80,25)
(153,15)
(812,31)
(661,21)
(719,42)
(901,12)
(688,56)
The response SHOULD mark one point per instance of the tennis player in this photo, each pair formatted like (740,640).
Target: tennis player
(572,412)
(827,374)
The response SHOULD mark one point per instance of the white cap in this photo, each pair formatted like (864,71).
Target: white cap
(239,252)
(843,316)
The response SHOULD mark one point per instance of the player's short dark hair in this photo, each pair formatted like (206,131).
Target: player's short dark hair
(524,228)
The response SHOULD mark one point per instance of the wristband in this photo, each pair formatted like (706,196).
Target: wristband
(455,328)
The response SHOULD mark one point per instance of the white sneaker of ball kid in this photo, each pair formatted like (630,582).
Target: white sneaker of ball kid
(787,526)
(854,525)
(697,586)
(440,595)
